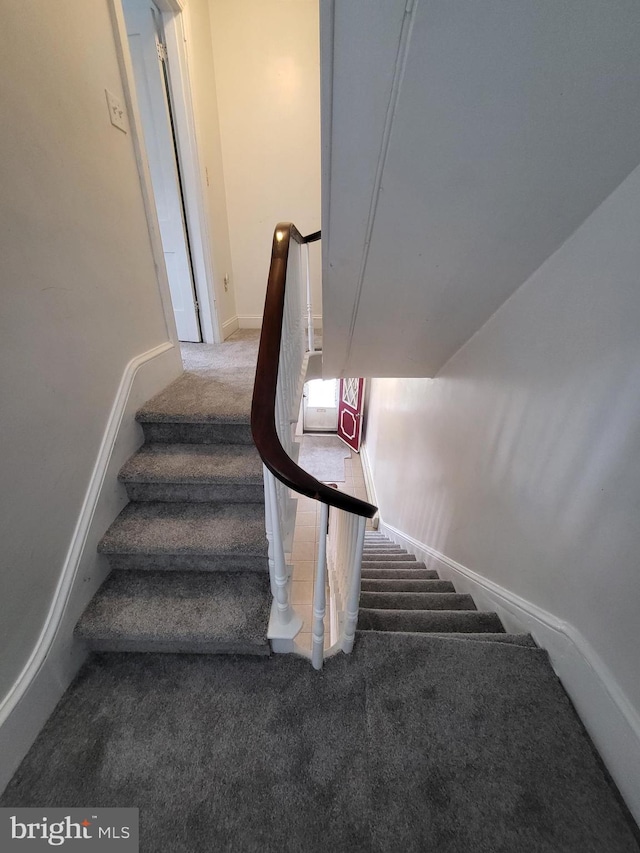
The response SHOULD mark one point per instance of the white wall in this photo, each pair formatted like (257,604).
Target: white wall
(203,88)
(268,83)
(80,298)
(468,140)
(521,460)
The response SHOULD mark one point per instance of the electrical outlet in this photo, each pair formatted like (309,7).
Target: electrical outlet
(117,112)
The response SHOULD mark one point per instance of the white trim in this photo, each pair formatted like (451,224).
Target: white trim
(68,573)
(193,182)
(369,483)
(250,321)
(198,225)
(230,326)
(137,137)
(608,715)
(43,675)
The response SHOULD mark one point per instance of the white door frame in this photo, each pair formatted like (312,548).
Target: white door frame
(193,184)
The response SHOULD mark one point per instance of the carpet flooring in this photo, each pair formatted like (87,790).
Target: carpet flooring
(412,743)
(189,552)
(217,383)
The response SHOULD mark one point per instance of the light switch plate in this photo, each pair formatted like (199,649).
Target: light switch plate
(117,112)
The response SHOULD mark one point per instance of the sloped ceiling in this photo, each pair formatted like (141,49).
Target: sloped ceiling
(463,142)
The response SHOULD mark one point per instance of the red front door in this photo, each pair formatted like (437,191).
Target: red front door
(350,407)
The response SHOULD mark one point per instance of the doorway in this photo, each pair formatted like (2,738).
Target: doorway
(320,406)
(147,46)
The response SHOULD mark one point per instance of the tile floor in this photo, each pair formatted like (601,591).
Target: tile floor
(305,545)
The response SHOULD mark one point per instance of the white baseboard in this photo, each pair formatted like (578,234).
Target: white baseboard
(229,327)
(250,321)
(608,715)
(56,657)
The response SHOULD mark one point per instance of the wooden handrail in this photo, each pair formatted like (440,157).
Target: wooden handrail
(263,406)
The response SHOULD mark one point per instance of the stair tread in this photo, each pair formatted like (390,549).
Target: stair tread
(376,556)
(187,528)
(427,621)
(179,611)
(416,601)
(398,556)
(378,573)
(194,463)
(220,397)
(393,564)
(405,585)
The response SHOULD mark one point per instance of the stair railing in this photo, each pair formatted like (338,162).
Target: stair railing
(283,354)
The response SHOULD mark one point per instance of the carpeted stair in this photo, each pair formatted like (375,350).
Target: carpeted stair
(399,594)
(189,553)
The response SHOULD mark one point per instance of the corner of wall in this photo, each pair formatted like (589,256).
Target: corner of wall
(229,327)
(56,656)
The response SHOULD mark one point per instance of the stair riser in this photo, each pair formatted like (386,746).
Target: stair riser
(188,562)
(416,601)
(406,585)
(196,433)
(385,555)
(386,552)
(207,493)
(524,640)
(399,574)
(433,622)
(175,647)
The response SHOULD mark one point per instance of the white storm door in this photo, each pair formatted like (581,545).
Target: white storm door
(320,405)
(144,24)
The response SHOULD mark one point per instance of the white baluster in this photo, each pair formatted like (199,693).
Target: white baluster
(320,593)
(269,531)
(281,579)
(310,335)
(354,591)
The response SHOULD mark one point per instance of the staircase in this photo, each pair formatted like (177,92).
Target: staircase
(188,553)
(400,594)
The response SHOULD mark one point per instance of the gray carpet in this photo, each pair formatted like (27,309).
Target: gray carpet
(209,472)
(189,553)
(400,594)
(413,743)
(204,612)
(323,457)
(217,384)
